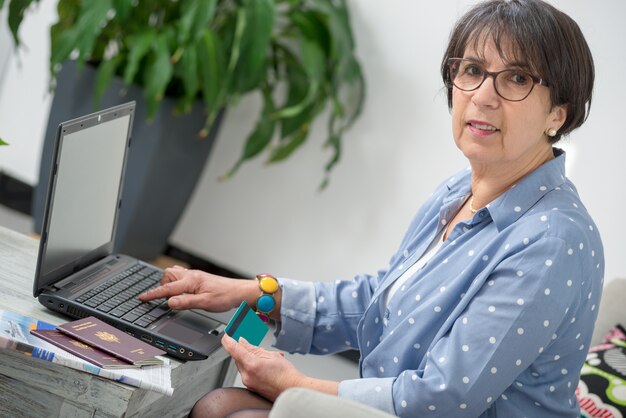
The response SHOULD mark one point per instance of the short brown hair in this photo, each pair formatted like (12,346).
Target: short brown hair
(546,39)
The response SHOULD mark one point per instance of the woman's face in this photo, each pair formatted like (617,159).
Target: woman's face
(494,133)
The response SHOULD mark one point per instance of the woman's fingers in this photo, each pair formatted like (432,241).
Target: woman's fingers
(167,290)
(238,351)
(176,266)
(188,301)
(173,274)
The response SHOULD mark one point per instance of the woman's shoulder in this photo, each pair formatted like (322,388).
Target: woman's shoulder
(562,215)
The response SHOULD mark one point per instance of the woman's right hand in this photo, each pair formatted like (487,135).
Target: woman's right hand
(196,289)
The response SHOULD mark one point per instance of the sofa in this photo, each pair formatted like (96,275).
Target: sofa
(306,403)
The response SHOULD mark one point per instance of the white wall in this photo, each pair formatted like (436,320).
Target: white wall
(5,45)
(273,219)
(24,98)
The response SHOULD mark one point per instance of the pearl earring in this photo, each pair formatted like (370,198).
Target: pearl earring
(551,132)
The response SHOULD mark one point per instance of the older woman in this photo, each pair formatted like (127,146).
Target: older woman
(488,306)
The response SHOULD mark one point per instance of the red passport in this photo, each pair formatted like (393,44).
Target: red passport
(82,350)
(109,339)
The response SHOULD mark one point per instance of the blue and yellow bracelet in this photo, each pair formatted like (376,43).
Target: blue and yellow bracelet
(266,302)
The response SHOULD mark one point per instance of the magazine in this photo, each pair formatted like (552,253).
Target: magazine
(15,335)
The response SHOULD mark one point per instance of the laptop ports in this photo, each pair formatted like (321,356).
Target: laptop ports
(190,353)
(181,350)
(147,338)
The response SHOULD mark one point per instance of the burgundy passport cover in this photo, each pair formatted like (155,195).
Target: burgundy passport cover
(99,334)
(80,349)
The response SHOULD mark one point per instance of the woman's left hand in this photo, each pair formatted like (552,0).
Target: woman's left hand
(265,372)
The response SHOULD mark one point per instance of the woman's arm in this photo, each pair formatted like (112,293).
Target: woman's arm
(195,289)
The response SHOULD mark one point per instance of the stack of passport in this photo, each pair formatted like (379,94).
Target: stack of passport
(101,344)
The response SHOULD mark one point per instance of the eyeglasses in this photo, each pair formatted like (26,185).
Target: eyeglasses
(512,85)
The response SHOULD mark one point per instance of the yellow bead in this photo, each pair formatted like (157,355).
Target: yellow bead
(268,284)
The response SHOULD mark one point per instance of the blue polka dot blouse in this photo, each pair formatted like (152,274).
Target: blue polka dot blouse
(496,324)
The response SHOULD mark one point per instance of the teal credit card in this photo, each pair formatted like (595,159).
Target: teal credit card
(245,323)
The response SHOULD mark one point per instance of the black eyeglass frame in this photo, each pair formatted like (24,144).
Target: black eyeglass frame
(493,75)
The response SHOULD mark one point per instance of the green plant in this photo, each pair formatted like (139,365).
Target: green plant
(297,54)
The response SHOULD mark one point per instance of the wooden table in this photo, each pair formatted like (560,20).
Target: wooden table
(30,387)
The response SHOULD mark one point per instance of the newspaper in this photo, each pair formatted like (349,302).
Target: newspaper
(15,335)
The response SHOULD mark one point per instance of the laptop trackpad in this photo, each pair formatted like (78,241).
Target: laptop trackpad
(186,327)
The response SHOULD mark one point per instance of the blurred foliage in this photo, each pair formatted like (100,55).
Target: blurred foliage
(297,54)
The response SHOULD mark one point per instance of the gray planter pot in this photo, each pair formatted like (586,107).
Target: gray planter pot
(165,160)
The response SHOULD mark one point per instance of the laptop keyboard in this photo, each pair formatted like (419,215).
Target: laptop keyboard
(118,296)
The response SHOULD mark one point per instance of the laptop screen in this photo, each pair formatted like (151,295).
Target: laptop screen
(83,202)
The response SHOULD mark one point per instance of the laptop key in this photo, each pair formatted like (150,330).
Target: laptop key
(130,304)
(141,310)
(159,311)
(131,317)
(92,303)
(104,308)
(148,317)
(117,312)
(142,322)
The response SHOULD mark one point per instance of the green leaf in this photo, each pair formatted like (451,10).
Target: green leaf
(341,35)
(188,11)
(291,111)
(356,94)
(212,70)
(297,89)
(313,63)
(260,137)
(16,14)
(335,142)
(1,140)
(285,150)
(62,46)
(123,9)
(89,26)
(82,35)
(314,29)
(313,60)
(138,47)
(188,72)
(240,27)
(67,10)
(158,72)
(255,42)
(105,73)
(338,23)
(195,18)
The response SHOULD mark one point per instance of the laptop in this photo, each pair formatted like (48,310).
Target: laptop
(77,272)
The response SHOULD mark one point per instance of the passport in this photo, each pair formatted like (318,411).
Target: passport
(111,340)
(80,349)
(247,324)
